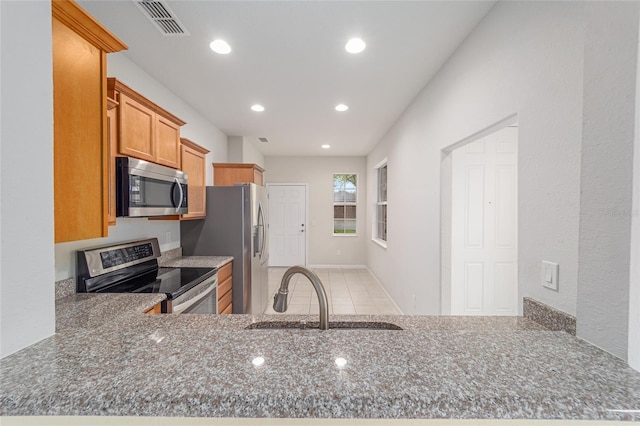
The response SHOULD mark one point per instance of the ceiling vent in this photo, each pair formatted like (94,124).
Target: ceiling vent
(265,140)
(162,17)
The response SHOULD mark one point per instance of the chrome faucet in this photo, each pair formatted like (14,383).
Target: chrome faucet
(280,303)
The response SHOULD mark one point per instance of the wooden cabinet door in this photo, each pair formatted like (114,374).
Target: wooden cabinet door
(137,127)
(80,151)
(225,291)
(257,177)
(77,140)
(167,143)
(228,174)
(112,142)
(193,164)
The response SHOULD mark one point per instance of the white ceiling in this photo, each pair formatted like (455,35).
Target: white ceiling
(289,56)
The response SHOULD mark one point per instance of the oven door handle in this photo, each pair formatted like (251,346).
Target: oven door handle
(181,307)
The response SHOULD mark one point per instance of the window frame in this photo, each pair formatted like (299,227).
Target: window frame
(355,204)
(374,231)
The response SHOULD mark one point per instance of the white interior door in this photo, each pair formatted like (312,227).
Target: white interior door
(484,268)
(287,224)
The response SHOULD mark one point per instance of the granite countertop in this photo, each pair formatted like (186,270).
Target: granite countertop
(108,358)
(196,261)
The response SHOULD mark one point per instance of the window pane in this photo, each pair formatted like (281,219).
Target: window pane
(344,198)
(382,183)
(350,226)
(349,212)
(344,187)
(381,213)
(381,209)
(338,188)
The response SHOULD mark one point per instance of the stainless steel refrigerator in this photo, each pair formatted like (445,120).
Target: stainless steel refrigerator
(235,225)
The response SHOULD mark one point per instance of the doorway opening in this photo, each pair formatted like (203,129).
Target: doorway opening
(479,234)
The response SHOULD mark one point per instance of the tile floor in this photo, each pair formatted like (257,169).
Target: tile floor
(350,291)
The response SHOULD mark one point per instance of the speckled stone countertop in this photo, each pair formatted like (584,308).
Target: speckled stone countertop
(108,358)
(196,261)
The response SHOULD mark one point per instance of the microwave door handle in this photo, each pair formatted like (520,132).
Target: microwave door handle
(177,182)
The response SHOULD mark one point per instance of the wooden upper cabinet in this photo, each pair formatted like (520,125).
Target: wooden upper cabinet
(112,142)
(146,130)
(80,148)
(137,124)
(167,143)
(228,174)
(194,165)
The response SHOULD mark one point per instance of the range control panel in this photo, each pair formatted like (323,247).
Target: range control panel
(116,257)
(97,261)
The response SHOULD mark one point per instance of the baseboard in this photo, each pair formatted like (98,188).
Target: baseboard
(548,316)
(337,266)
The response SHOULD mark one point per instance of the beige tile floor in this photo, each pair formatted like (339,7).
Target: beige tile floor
(350,292)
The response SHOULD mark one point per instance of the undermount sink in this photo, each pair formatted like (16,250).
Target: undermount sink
(333,325)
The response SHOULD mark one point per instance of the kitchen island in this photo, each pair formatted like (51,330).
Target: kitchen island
(109,358)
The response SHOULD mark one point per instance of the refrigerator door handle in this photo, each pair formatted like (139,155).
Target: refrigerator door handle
(256,241)
(261,231)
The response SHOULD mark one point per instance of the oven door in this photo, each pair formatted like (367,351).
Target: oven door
(201,299)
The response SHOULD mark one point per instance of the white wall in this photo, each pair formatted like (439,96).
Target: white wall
(26,169)
(525,59)
(250,153)
(126,229)
(198,129)
(242,149)
(611,46)
(318,172)
(234,149)
(634,275)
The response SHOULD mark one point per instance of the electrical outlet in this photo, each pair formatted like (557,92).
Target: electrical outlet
(550,275)
(339,252)
(413,300)
(167,237)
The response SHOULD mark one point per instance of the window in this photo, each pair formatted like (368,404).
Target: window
(344,203)
(381,204)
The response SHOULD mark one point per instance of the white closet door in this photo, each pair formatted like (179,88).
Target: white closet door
(484,269)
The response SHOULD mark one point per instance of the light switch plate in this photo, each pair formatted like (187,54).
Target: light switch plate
(550,275)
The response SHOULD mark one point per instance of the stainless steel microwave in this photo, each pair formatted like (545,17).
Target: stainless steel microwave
(147,189)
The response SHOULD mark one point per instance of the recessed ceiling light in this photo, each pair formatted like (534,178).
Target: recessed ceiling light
(355,45)
(220,46)
(341,107)
(257,108)
(326,146)
(341,362)
(257,361)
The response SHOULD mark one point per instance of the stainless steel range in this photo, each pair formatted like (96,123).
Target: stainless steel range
(132,267)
